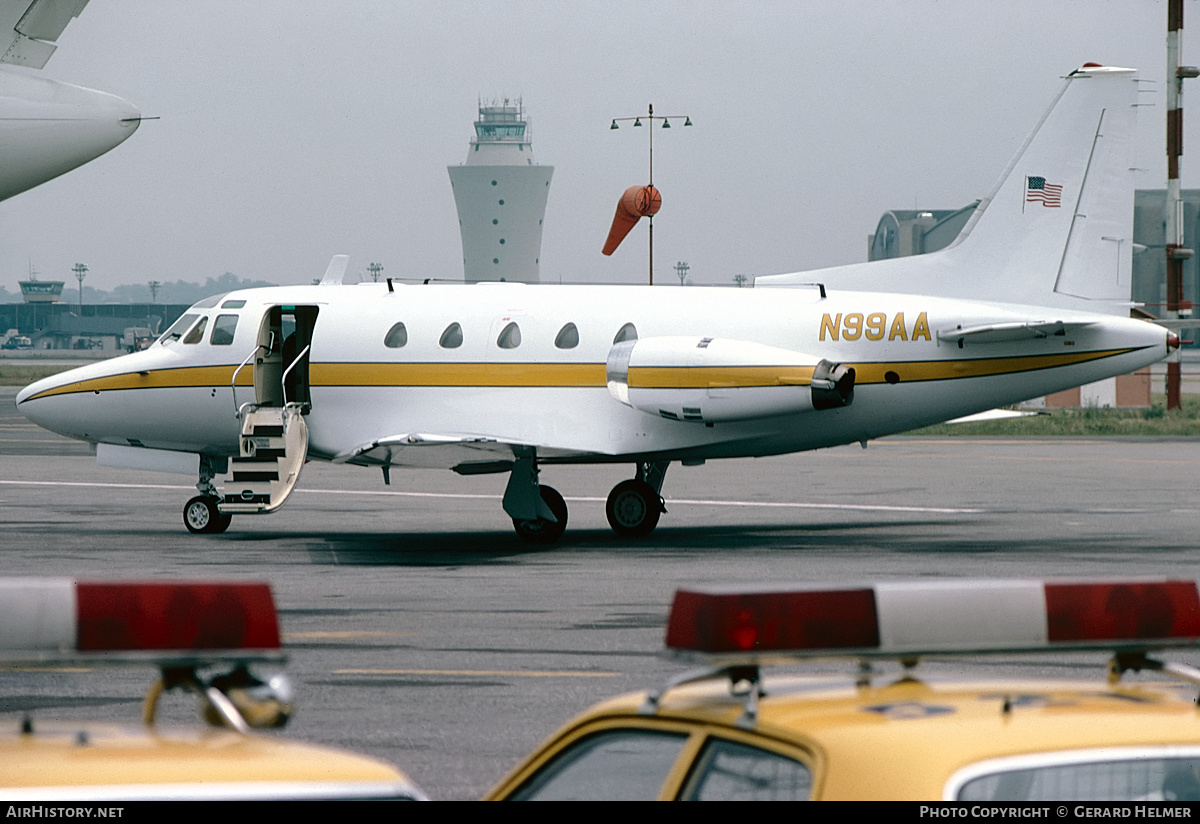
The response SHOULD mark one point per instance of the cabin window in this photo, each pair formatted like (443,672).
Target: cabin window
(568,337)
(510,337)
(626,332)
(452,338)
(178,328)
(223,329)
(397,336)
(197,333)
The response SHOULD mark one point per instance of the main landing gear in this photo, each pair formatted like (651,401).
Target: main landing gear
(539,513)
(634,506)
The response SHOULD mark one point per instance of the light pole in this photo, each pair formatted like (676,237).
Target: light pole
(154,287)
(374,269)
(637,122)
(681,269)
(80,273)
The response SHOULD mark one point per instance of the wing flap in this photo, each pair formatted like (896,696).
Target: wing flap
(466,453)
(31,38)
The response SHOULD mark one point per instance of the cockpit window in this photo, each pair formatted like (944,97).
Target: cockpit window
(210,302)
(178,328)
(233,304)
(396,337)
(197,333)
(452,338)
(223,328)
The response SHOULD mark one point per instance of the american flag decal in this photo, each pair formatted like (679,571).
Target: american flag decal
(1037,190)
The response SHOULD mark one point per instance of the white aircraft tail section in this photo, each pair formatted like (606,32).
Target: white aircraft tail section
(1058,226)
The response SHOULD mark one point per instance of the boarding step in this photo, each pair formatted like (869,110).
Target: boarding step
(274,445)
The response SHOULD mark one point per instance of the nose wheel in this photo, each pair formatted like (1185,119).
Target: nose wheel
(201,516)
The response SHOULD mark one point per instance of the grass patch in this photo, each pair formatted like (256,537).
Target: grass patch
(1087,421)
(22,374)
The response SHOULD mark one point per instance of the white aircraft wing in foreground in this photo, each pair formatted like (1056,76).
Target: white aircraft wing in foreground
(48,128)
(515,379)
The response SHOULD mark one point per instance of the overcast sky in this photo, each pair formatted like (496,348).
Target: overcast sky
(293,130)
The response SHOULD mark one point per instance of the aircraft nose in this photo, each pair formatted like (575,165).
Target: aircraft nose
(51,128)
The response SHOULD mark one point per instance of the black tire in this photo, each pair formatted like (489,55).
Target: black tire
(633,508)
(222,522)
(540,530)
(201,516)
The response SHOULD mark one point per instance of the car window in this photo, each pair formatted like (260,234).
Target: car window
(616,765)
(731,771)
(1133,779)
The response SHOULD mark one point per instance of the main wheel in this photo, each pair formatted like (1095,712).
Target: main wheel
(541,530)
(633,508)
(200,515)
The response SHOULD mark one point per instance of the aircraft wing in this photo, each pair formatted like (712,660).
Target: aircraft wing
(29,29)
(1008,332)
(460,452)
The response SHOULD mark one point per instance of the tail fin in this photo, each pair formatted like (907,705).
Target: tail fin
(1058,226)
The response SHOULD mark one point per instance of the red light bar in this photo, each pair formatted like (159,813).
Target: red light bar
(60,619)
(928,618)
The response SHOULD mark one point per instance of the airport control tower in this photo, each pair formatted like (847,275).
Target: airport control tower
(501,197)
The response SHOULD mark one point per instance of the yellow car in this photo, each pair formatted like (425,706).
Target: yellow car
(204,638)
(729,731)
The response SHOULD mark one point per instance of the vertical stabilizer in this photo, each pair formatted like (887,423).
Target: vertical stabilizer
(1058,226)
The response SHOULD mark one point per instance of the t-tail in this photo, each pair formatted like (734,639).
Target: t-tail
(1057,228)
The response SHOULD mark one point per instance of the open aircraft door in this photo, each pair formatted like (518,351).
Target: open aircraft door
(274,438)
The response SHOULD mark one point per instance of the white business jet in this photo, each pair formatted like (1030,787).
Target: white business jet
(48,128)
(510,378)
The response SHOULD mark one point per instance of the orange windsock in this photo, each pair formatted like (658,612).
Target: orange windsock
(636,203)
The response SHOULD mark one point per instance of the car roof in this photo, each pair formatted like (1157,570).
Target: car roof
(904,737)
(72,760)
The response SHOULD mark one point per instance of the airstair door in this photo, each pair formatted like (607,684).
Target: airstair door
(274,439)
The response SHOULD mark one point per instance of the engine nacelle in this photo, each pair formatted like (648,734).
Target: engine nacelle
(713,380)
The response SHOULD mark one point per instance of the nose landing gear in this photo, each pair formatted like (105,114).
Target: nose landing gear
(200,515)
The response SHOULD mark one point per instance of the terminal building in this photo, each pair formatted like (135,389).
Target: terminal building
(501,195)
(111,328)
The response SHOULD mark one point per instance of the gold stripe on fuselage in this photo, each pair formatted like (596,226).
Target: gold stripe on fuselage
(565,375)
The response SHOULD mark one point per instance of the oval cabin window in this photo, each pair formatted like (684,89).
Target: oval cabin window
(452,338)
(396,337)
(510,337)
(568,337)
(626,332)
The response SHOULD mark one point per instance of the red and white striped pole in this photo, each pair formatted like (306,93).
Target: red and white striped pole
(1177,253)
